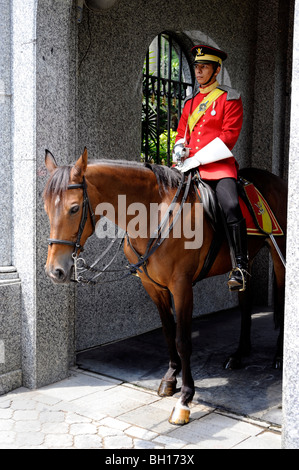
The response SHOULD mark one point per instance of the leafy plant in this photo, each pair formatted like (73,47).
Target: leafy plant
(164,143)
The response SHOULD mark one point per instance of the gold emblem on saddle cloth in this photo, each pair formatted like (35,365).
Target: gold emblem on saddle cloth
(263,217)
(265,220)
(202,107)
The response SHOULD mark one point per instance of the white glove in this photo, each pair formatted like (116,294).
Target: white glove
(214,151)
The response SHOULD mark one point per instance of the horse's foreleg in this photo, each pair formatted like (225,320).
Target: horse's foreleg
(168,383)
(235,360)
(162,299)
(183,301)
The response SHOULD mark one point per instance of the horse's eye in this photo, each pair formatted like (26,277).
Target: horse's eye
(74,209)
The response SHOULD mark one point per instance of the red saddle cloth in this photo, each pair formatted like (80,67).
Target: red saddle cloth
(260,219)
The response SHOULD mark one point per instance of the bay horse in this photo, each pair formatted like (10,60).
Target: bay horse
(170,271)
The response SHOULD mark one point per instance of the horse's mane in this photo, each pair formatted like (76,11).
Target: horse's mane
(167,178)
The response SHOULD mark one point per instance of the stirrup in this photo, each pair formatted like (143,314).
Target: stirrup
(233,283)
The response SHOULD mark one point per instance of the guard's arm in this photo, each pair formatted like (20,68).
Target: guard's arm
(214,151)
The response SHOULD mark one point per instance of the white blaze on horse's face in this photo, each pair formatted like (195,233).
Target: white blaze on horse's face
(64,216)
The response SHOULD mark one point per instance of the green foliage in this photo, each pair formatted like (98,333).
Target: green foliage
(164,143)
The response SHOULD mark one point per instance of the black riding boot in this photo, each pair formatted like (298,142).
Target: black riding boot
(238,275)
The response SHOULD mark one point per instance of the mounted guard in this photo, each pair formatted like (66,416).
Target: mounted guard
(208,130)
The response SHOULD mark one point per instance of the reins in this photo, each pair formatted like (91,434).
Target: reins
(156,239)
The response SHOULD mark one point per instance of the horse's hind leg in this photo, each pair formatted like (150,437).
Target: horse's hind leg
(279,322)
(279,298)
(162,299)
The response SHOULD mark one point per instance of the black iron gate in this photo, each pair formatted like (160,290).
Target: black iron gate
(167,80)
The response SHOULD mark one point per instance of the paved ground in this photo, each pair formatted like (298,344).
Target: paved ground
(121,410)
(89,411)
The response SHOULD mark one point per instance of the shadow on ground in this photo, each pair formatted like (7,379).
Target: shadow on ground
(254,391)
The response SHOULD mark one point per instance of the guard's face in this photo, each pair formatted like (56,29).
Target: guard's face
(203,73)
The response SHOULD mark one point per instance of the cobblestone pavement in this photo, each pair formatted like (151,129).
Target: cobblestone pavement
(89,411)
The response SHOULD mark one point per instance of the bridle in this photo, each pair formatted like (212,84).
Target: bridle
(85,208)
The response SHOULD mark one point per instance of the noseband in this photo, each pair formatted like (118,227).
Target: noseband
(85,208)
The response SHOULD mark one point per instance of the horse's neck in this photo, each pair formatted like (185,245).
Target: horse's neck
(122,186)
(137,184)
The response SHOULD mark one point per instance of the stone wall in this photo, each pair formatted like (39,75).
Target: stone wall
(291,337)
(112,48)
(10,330)
(111,51)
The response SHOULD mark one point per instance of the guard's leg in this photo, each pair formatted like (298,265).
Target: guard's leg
(238,275)
(227,194)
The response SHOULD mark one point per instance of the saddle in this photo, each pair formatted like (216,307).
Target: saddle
(207,197)
(260,220)
(259,217)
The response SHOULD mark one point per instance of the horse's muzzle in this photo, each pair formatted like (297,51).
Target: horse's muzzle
(58,275)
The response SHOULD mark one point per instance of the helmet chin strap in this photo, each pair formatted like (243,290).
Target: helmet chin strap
(211,77)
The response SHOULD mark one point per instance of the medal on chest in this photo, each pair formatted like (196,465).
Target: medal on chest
(213,112)
(202,107)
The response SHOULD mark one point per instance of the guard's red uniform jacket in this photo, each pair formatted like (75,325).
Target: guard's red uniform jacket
(224,120)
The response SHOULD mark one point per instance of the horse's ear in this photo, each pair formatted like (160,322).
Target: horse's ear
(50,161)
(79,168)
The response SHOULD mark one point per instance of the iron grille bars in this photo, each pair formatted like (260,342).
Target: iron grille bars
(167,79)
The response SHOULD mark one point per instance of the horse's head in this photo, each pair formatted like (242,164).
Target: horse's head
(70,216)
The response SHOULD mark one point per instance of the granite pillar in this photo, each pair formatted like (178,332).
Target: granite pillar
(10,300)
(290,437)
(5,138)
(41,38)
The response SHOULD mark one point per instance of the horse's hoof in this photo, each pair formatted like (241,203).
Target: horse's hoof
(232,363)
(167,388)
(180,415)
